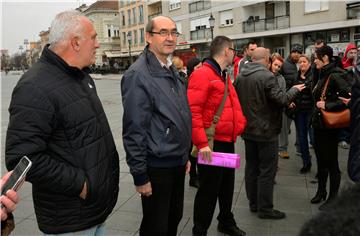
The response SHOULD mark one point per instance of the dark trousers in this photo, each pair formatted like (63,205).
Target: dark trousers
(260,171)
(326,150)
(163,210)
(302,121)
(216,183)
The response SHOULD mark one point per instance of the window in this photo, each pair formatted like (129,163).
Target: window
(201,23)
(142,35)
(129,33)
(109,31)
(129,17)
(116,31)
(174,4)
(199,28)
(226,18)
(318,5)
(121,3)
(135,37)
(134,15)
(199,6)
(123,18)
(141,14)
(124,38)
(178,26)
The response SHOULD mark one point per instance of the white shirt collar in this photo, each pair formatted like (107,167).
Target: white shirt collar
(168,62)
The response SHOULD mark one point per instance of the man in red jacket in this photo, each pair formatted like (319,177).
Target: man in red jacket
(205,92)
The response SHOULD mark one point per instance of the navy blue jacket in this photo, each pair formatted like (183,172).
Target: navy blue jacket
(157,118)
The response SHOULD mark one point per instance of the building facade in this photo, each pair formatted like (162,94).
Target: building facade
(133,19)
(273,24)
(105,17)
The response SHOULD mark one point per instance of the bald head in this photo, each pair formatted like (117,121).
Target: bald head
(261,55)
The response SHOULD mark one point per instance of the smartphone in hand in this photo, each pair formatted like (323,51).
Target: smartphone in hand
(17,176)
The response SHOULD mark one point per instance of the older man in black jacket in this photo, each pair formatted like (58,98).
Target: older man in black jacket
(157,129)
(57,120)
(262,101)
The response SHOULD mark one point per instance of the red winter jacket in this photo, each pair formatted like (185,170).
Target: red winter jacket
(205,92)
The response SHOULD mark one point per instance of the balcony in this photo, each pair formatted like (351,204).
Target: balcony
(155,14)
(150,2)
(200,34)
(257,25)
(353,10)
(199,6)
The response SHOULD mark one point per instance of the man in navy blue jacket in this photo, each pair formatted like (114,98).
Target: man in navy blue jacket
(157,129)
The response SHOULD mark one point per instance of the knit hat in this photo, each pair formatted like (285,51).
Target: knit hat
(297,48)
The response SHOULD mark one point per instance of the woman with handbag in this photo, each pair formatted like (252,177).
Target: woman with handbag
(330,86)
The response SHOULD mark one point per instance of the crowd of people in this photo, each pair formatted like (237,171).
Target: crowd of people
(172,116)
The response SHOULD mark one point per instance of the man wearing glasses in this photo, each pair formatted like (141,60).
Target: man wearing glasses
(157,129)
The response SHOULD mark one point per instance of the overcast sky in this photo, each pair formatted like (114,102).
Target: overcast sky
(25,19)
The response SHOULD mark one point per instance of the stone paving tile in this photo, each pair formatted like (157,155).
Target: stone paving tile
(292,193)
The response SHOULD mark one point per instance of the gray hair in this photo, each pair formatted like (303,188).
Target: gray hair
(65,25)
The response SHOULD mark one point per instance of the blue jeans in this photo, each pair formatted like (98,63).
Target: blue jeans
(98,230)
(302,122)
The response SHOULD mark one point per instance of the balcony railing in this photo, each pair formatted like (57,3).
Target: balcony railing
(353,10)
(256,25)
(200,34)
(155,14)
(199,6)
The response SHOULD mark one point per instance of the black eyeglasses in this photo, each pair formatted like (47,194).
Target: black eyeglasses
(233,49)
(165,33)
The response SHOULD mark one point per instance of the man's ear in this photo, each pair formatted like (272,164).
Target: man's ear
(148,37)
(75,43)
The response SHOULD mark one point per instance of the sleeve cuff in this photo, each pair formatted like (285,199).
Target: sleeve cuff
(141,179)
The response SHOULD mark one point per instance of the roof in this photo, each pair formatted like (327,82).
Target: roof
(104,5)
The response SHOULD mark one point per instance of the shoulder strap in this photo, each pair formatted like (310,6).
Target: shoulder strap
(323,96)
(222,104)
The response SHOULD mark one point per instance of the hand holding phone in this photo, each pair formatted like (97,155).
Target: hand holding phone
(17,176)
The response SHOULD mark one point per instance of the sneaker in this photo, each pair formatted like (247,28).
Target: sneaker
(230,230)
(273,214)
(343,145)
(284,154)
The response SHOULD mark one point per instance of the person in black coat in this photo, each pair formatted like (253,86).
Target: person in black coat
(57,121)
(304,106)
(354,154)
(325,138)
(157,129)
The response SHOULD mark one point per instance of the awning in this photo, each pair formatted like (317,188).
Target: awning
(113,53)
(121,54)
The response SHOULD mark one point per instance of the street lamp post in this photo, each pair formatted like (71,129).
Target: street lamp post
(212,24)
(129,38)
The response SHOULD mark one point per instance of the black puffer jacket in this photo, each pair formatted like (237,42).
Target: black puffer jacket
(262,101)
(290,71)
(57,120)
(304,100)
(337,87)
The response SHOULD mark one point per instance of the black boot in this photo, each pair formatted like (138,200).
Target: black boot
(306,168)
(194,179)
(335,179)
(321,191)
